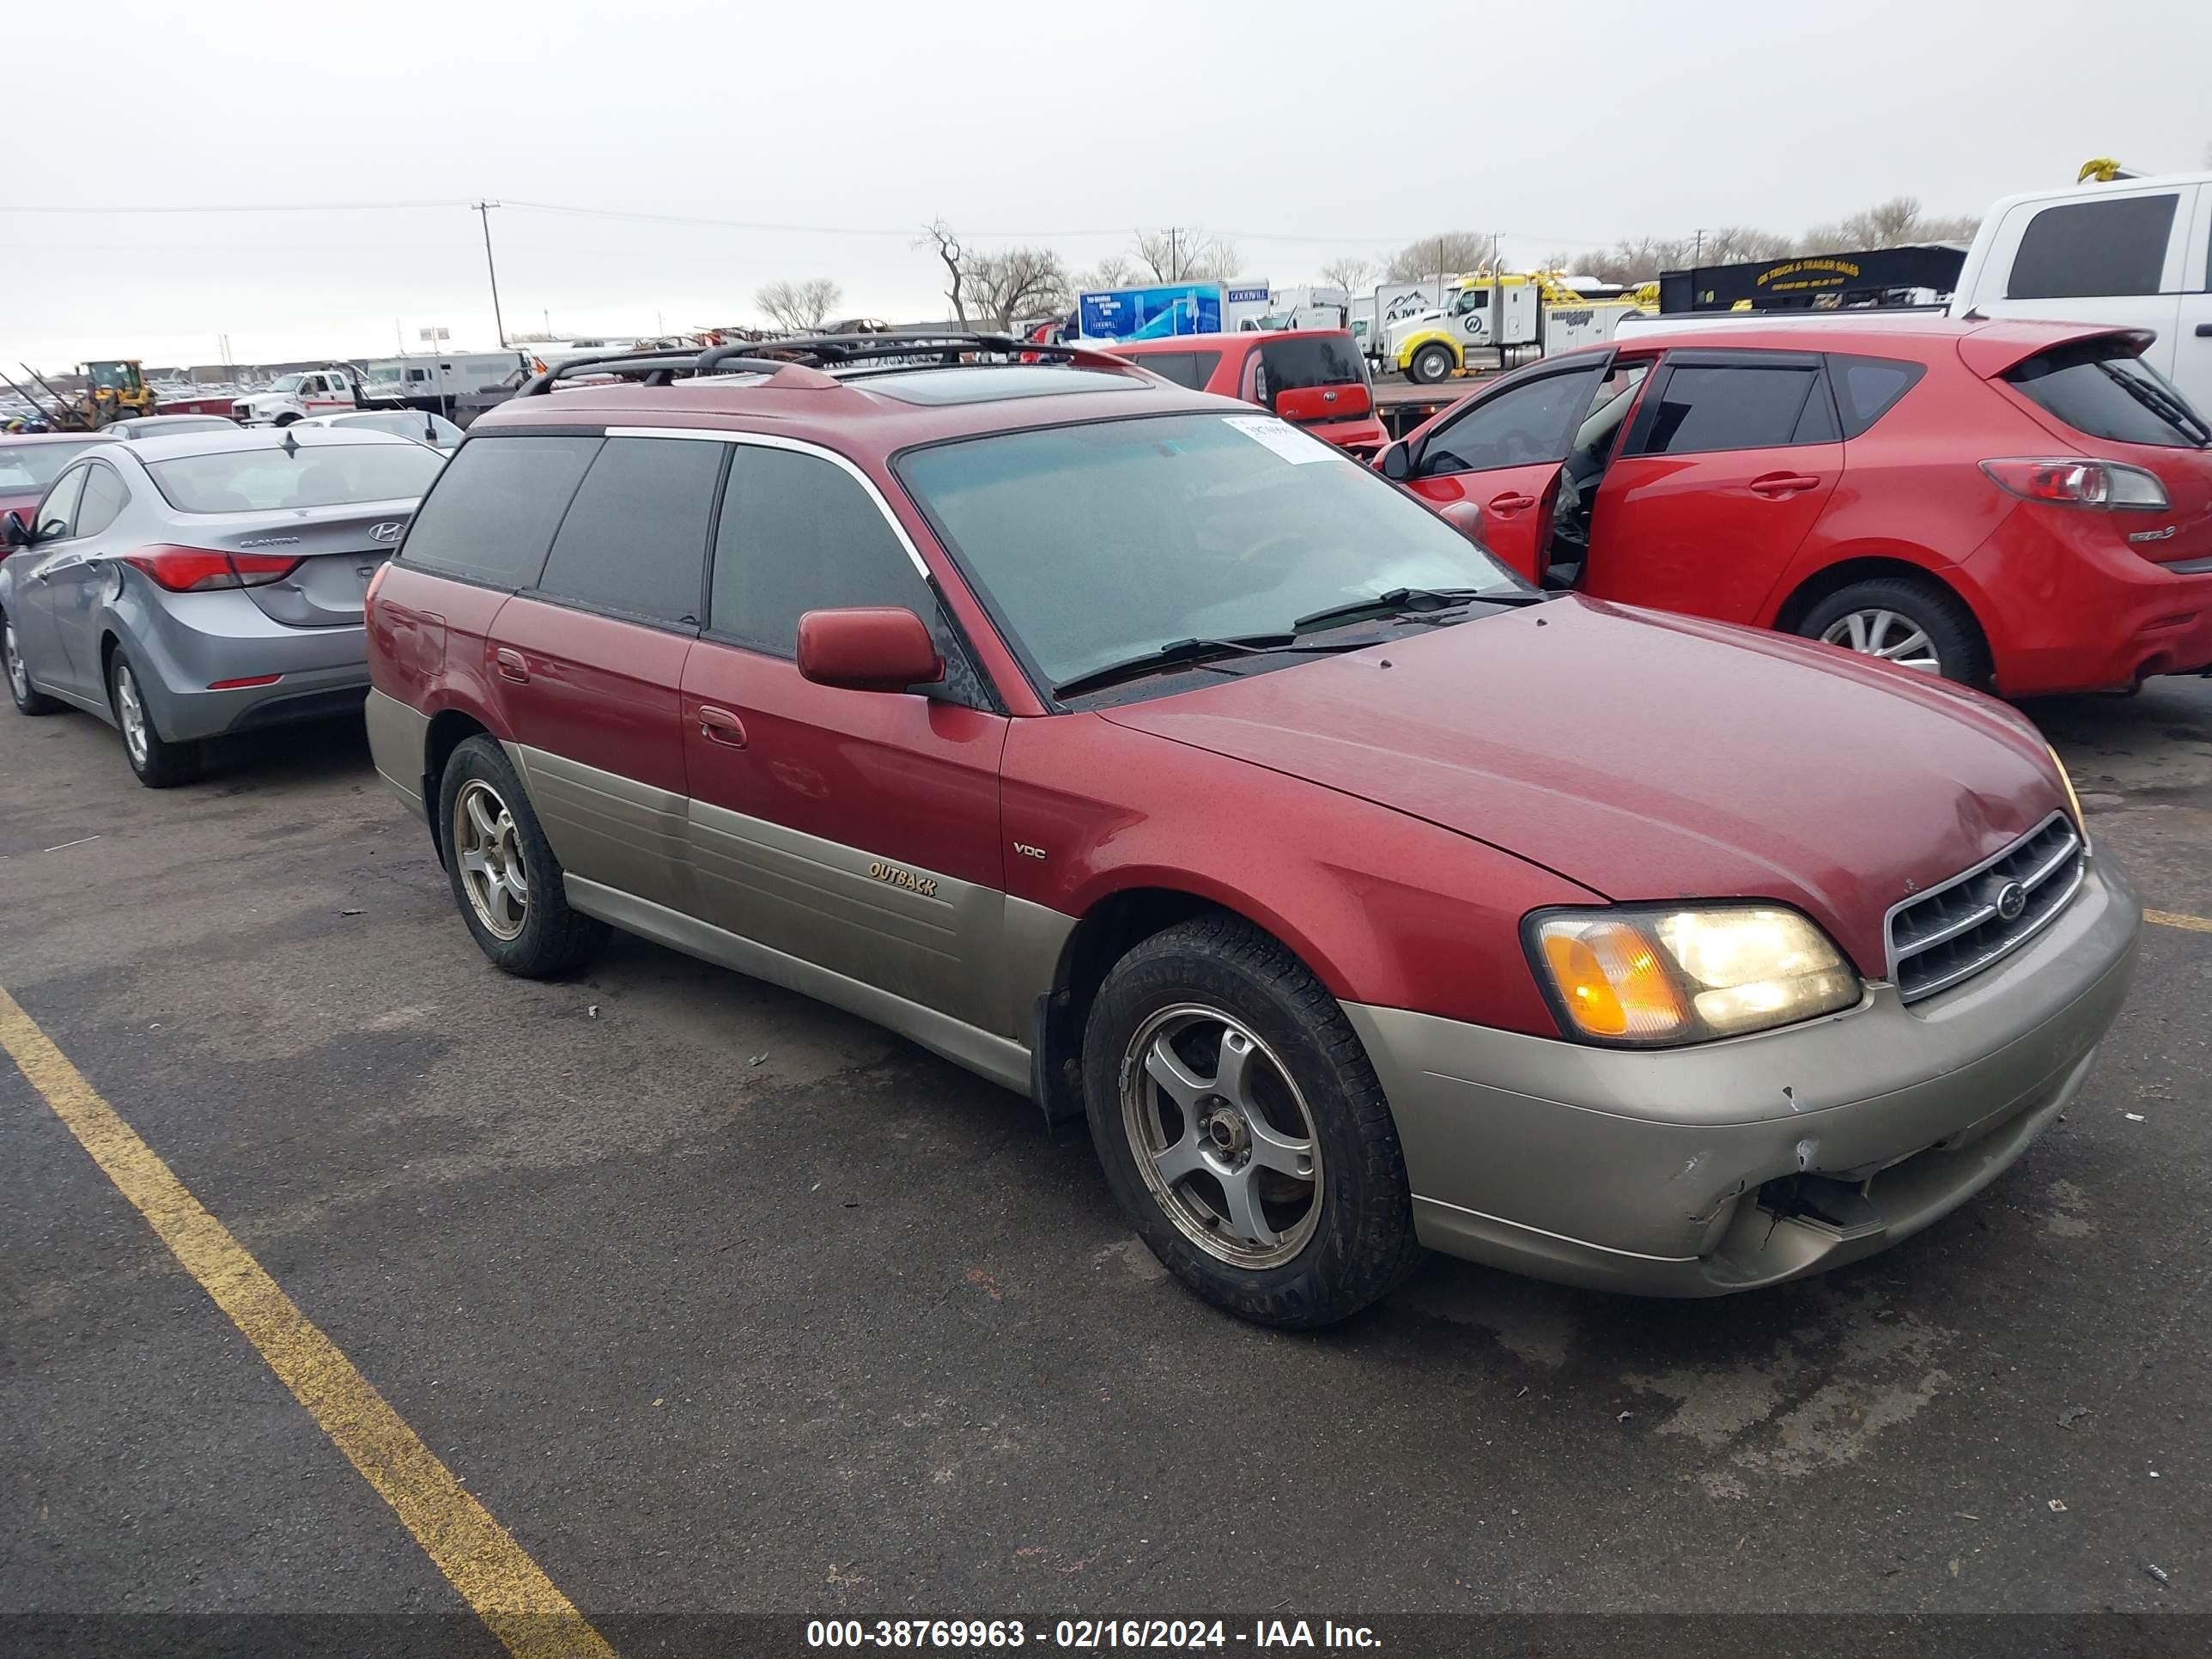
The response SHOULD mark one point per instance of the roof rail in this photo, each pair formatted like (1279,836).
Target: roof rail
(812,351)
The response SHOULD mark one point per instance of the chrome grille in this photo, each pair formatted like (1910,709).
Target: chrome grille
(1951,932)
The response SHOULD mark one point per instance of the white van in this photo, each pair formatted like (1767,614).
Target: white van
(2134,253)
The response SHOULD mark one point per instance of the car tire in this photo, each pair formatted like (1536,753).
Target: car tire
(1915,624)
(27,699)
(1431,365)
(505,879)
(155,761)
(1223,1001)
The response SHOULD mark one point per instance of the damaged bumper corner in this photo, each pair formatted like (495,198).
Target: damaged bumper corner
(1702,1170)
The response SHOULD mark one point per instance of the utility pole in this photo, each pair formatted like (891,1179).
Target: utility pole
(483,212)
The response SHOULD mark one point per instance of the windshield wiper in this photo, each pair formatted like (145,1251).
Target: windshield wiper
(2166,407)
(1414,601)
(1177,652)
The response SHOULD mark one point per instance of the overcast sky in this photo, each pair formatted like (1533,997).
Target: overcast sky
(1302,131)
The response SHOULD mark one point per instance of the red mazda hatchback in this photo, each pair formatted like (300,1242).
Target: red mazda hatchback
(1144,755)
(2021,505)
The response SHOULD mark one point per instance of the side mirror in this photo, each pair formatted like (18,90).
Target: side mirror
(13,532)
(868,648)
(1464,517)
(1397,462)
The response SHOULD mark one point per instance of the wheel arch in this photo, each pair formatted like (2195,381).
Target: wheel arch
(449,728)
(1869,564)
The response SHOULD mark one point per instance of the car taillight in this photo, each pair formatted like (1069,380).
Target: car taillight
(2077,483)
(203,569)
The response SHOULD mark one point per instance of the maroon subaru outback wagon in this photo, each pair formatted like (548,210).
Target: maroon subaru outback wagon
(1147,756)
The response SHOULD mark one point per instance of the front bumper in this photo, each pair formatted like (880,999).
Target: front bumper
(1643,1172)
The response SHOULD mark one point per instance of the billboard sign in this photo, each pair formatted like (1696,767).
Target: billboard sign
(1150,313)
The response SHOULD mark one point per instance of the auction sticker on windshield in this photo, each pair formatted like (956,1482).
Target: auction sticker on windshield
(1285,439)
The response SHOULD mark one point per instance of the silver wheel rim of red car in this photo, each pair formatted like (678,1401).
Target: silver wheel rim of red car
(130,714)
(1890,634)
(490,854)
(19,677)
(1222,1136)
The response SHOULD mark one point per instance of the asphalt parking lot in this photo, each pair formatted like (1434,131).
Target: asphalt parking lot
(720,1301)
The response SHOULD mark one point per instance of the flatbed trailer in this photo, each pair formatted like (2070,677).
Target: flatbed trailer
(1401,405)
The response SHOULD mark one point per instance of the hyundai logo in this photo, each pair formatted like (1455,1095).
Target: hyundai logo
(390,530)
(2012,899)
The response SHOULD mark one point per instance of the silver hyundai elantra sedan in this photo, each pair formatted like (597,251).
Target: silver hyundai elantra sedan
(187,586)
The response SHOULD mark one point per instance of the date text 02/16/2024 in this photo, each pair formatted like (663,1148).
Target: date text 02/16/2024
(1088,1635)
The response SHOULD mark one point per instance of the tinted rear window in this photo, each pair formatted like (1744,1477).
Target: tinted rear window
(1288,365)
(1868,388)
(1186,369)
(634,540)
(2102,391)
(309,475)
(2091,248)
(1727,407)
(492,517)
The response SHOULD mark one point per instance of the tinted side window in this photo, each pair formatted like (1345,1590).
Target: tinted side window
(1701,408)
(1868,388)
(634,540)
(1183,367)
(2086,248)
(104,496)
(491,515)
(798,533)
(58,512)
(1524,424)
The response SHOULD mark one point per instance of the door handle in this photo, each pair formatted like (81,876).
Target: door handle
(1775,486)
(721,726)
(1511,501)
(511,666)
(2204,330)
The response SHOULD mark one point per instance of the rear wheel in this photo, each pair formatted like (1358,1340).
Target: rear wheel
(505,879)
(1242,1129)
(157,763)
(1914,624)
(1430,364)
(27,699)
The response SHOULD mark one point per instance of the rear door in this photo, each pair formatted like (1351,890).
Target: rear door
(588,661)
(1318,381)
(1502,450)
(857,831)
(1730,460)
(2117,255)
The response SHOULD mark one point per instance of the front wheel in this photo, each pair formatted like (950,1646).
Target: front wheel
(505,880)
(27,699)
(1431,364)
(1912,624)
(1242,1127)
(155,760)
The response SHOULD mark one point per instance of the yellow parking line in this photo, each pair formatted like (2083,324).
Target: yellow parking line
(507,1589)
(2173,919)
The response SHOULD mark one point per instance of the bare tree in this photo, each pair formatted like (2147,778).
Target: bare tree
(937,232)
(1115,270)
(1897,223)
(799,306)
(1352,273)
(1732,245)
(1447,252)
(1016,283)
(1181,255)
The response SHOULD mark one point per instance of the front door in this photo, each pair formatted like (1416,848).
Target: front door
(857,831)
(80,589)
(1730,461)
(588,664)
(53,554)
(1502,449)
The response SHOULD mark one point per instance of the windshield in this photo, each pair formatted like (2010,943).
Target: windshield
(33,466)
(2101,388)
(405,424)
(319,474)
(111,377)
(287,382)
(1094,544)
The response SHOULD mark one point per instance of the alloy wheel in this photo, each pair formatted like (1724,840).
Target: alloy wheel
(19,677)
(490,849)
(1889,635)
(1222,1136)
(130,714)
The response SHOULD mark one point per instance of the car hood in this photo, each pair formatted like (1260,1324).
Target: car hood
(1648,756)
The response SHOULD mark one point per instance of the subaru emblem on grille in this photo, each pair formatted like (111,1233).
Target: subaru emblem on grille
(2012,899)
(390,530)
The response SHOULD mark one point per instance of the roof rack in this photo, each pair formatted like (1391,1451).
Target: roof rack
(814,351)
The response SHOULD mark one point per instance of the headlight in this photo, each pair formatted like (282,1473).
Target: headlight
(2073,800)
(1651,977)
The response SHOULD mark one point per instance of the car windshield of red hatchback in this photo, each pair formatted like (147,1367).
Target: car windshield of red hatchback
(1097,543)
